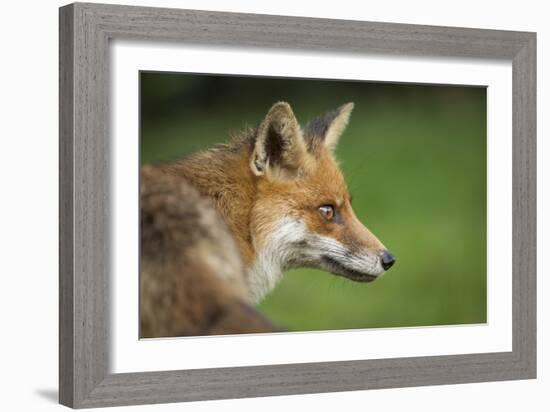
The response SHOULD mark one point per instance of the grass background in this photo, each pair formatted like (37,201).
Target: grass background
(414,157)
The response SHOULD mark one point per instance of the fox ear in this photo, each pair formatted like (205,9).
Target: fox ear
(330,126)
(280,147)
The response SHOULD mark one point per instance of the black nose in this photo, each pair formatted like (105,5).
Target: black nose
(387,260)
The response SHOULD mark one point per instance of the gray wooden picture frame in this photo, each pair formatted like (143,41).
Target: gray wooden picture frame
(85,32)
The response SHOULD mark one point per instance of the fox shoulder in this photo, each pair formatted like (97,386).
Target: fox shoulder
(192,278)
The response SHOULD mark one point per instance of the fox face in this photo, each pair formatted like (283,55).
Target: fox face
(302,215)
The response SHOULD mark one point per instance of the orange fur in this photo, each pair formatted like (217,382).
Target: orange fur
(300,198)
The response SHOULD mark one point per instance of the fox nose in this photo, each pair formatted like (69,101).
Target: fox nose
(387,260)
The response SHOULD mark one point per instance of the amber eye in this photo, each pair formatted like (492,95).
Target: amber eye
(327,211)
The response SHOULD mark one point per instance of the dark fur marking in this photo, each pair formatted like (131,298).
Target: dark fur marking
(301,243)
(318,127)
(274,145)
(338,219)
(211,317)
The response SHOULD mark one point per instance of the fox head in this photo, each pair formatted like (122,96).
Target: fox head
(302,215)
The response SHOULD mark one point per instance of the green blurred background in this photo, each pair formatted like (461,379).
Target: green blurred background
(414,157)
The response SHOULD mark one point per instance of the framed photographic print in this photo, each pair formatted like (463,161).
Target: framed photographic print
(257,205)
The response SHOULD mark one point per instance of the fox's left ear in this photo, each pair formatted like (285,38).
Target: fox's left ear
(280,148)
(330,126)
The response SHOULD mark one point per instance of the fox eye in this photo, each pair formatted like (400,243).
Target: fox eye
(327,211)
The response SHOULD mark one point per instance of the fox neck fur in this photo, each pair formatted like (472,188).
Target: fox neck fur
(223,175)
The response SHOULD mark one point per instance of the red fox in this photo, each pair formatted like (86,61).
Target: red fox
(279,190)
